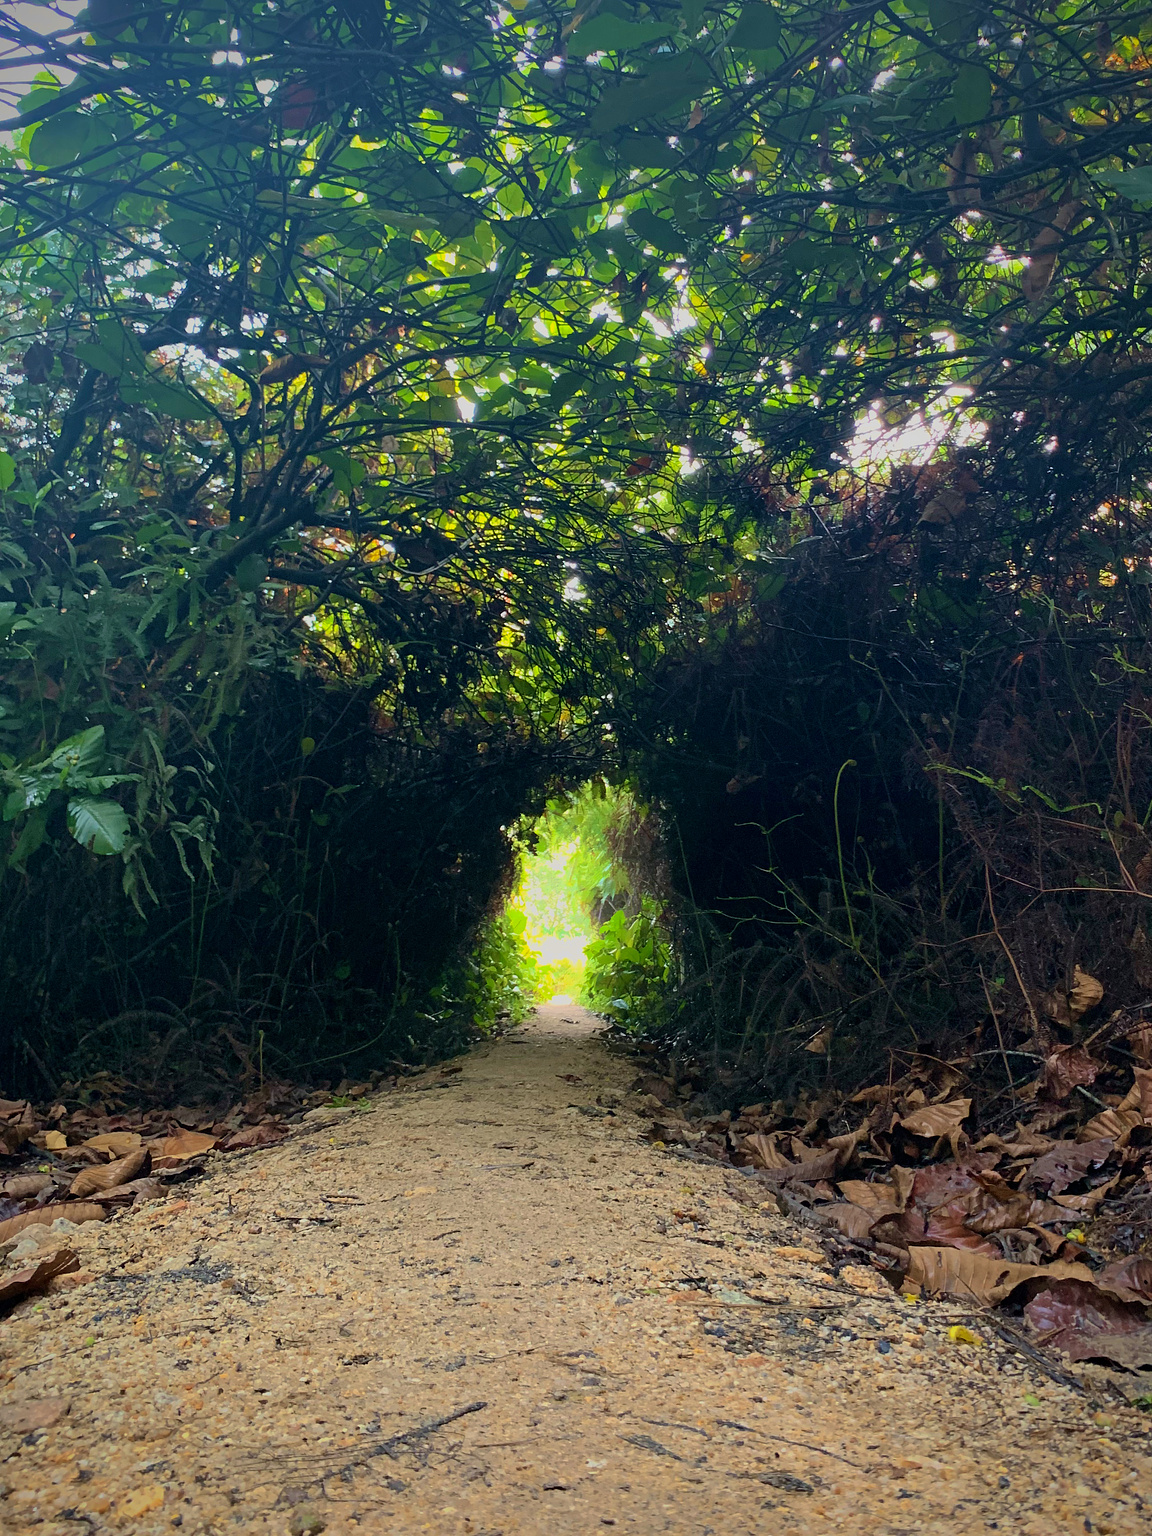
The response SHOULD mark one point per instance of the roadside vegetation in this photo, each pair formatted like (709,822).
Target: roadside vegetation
(415,416)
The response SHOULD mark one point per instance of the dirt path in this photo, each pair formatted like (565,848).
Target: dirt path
(483,1305)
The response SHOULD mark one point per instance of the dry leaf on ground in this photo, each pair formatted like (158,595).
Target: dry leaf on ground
(1024,1143)
(1084,994)
(1072,1314)
(945,1224)
(1087,1203)
(1139,1096)
(1066,1162)
(852,1220)
(109,1175)
(266,1134)
(1115,1125)
(135,1189)
(1066,1069)
(976,1277)
(17,1124)
(937,1119)
(1129,1278)
(879,1199)
(821,1166)
(37,1276)
(1131,1351)
(26,1186)
(169,1150)
(764,1150)
(45,1215)
(940,1183)
(115,1143)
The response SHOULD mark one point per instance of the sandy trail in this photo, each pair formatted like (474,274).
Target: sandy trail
(483,1305)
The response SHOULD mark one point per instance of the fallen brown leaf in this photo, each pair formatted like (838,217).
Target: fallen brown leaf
(1129,1278)
(1086,1204)
(941,1183)
(135,1189)
(115,1143)
(878,1199)
(976,1277)
(1066,1162)
(17,1124)
(853,1220)
(1084,994)
(1023,1144)
(1116,1125)
(26,1186)
(180,1145)
(110,1175)
(943,1224)
(266,1134)
(937,1119)
(45,1215)
(1131,1351)
(1072,1314)
(878,1093)
(1139,1096)
(36,1277)
(822,1165)
(764,1150)
(1066,1069)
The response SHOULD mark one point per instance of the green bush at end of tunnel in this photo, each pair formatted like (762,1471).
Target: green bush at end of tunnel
(628,969)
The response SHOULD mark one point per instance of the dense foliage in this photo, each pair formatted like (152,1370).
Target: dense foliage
(411,407)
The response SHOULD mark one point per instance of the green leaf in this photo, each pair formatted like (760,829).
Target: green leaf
(347,473)
(80,753)
(666,86)
(32,834)
(972,94)
(59,140)
(166,399)
(645,152)
(659,233)
(563,388)
(99,825)
(251,572)
(552,236)
(7,470)
(1136,184)
(191,237)
(758,29)
(113,350)
(612,34)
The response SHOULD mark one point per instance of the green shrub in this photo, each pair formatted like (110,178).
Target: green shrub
(502,975)
(628,968)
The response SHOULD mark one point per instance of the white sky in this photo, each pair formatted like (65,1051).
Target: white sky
(15,73)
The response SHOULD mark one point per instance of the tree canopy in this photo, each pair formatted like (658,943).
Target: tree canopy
(495,359)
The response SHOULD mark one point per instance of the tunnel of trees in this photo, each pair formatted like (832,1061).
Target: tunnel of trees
(413,412)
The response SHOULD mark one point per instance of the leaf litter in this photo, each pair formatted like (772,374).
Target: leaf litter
(77,1162)
(1048,1219)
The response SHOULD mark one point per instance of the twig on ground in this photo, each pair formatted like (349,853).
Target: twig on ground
(1010,1336)
(407,1436)
(783,1439)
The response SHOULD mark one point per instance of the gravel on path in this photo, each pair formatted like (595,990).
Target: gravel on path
(482,1305)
